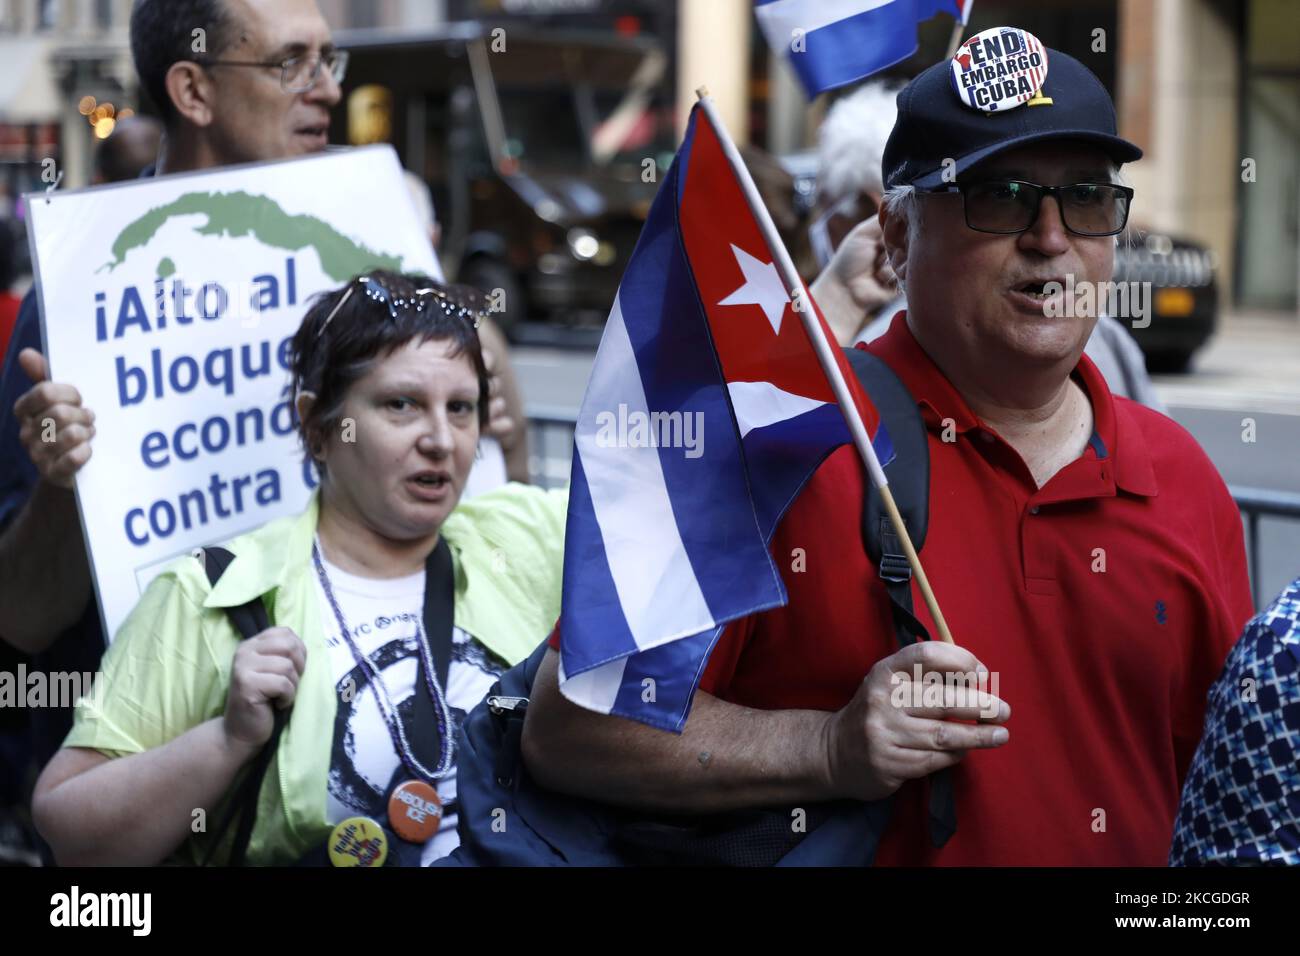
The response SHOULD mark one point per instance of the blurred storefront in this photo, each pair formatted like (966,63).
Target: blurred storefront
(626,17)
(29,117)
(1268,240)
(1209,88)
(65,73)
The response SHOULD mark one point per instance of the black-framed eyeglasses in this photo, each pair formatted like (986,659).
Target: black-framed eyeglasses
(377,292)
(1006,206)
(298,74)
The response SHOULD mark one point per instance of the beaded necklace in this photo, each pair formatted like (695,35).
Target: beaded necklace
(391,720)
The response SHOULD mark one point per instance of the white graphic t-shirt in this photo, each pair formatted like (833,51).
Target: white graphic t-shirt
(382,615)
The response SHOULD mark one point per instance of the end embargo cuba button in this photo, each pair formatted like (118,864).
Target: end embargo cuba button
(999,69)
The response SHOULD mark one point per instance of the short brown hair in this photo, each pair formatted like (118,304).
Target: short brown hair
(346,331)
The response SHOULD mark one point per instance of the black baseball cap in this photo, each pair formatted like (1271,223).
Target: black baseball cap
(937,122)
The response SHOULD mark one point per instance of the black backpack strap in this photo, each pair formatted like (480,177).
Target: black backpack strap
(249,619)
(440,606)
(909,481)
(908,473)
(942,808)
(439,621)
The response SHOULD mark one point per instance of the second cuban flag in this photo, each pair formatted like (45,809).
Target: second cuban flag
(832,43)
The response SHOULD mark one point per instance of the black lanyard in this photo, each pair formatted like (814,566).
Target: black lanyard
(439,615)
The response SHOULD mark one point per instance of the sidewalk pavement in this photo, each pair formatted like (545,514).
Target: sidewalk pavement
(1251,364)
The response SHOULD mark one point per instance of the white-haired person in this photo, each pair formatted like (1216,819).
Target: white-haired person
(392,610)
(856,289)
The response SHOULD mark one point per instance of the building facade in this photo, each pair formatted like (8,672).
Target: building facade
(1209,88)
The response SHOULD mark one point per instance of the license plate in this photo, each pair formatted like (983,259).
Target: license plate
(1174,302)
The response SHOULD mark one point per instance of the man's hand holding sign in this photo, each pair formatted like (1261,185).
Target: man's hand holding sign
(56,429)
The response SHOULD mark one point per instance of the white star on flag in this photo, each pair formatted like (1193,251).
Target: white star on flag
(762,288)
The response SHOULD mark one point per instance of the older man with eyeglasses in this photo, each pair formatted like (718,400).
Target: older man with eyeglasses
(235,81)
(260,87)
(1083,549)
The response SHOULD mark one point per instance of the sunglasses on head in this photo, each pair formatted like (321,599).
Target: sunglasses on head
(377,292)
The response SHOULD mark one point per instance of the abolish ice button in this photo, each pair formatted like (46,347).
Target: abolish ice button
(414,811)
(999,69)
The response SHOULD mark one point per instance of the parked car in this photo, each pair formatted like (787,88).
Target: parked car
(1184,295)
(543,157)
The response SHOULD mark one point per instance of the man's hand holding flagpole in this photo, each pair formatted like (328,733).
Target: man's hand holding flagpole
(817,335)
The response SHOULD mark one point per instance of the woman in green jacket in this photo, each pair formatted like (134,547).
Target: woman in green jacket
(391,395)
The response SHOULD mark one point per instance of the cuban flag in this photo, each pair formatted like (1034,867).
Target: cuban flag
(832,43)
(706,412)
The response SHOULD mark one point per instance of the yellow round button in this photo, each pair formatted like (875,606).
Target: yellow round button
(358,841)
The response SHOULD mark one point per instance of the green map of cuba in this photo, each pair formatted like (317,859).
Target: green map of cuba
(238,214)
(230,391)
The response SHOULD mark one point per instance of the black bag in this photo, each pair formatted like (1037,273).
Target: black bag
(507,819)
(249,620)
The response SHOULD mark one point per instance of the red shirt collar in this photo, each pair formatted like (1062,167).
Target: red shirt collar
(1113,427)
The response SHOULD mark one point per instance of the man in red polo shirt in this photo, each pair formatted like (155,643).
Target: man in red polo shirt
(1083,548)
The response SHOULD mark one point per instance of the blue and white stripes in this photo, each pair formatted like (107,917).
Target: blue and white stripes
(659,546)
(831,43)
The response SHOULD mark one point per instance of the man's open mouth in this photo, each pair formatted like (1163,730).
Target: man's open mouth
(1040,290)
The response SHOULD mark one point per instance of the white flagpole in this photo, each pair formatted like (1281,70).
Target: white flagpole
(803,307)
(954,40)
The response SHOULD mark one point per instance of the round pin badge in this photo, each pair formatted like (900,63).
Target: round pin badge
(358,841)
(415,811)
(999,69)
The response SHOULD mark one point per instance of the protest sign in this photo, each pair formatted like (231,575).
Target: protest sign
(170,303)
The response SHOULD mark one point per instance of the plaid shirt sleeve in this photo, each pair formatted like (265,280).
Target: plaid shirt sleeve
(1241,801)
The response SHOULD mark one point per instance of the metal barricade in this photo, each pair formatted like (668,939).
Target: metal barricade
(550,445)
(550,434)
(1256,503)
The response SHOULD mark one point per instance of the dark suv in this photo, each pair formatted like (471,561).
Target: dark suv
(543,150)
(1184,300)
